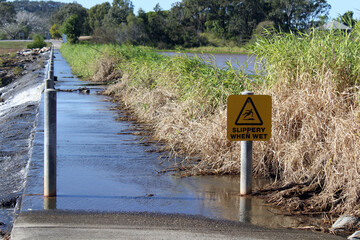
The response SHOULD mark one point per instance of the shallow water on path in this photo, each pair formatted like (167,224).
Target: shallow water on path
(101,169)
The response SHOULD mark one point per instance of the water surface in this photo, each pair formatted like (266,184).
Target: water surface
(246,63)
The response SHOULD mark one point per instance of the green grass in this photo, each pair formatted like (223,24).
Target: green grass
(13,44)
(289,55)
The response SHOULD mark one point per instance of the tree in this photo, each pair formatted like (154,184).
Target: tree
(72,28)
(69,10)
(7,13)
(244,18)
(179,29)
(25,23)
(55,31)
(97,14)
(156,26)
(42,9)
(118,12)
(296,14)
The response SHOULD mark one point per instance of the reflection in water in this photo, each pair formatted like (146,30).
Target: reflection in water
(221,197)
(49,203)
(245,209)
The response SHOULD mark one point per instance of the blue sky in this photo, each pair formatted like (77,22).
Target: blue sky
(339,7)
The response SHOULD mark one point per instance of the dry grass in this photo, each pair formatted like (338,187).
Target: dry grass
(106,70)
(315,149)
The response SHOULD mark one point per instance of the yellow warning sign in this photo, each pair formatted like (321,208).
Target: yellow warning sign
(249,117)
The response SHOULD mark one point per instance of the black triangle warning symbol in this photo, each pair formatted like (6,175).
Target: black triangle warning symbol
(248,114)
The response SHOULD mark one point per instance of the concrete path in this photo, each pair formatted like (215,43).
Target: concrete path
(85,225)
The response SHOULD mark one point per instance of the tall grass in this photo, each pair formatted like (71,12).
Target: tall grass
(287,56)
(313,156)
(315,149)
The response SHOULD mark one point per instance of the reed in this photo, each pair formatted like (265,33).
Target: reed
(315,149)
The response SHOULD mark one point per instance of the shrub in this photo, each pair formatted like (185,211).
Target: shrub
(38,42)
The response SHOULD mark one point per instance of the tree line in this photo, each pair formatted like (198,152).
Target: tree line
(21,18)
(189,23)
(192,23)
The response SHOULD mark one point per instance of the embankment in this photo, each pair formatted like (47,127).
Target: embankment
(314,151)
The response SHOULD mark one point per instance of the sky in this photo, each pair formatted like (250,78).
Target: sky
(338,7)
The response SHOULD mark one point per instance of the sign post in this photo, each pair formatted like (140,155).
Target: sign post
(248,119)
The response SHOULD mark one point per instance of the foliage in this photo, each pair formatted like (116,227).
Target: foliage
(68,10)
(3,36)
(42,9)
(55,31)
(192,23)
(72,28)
(314,151)
(292,15)
(25,24)
(97,14)
(21,18)
(7,13)
(263,29)
(38,42)
(118,12)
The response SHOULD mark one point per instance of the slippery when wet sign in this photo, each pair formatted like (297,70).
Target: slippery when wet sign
(249,117)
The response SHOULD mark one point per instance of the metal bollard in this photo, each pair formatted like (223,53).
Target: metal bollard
(49,84)
(50,143)
(51,74)
(246,163)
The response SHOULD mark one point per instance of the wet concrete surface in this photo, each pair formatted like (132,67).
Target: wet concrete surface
(100,170)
